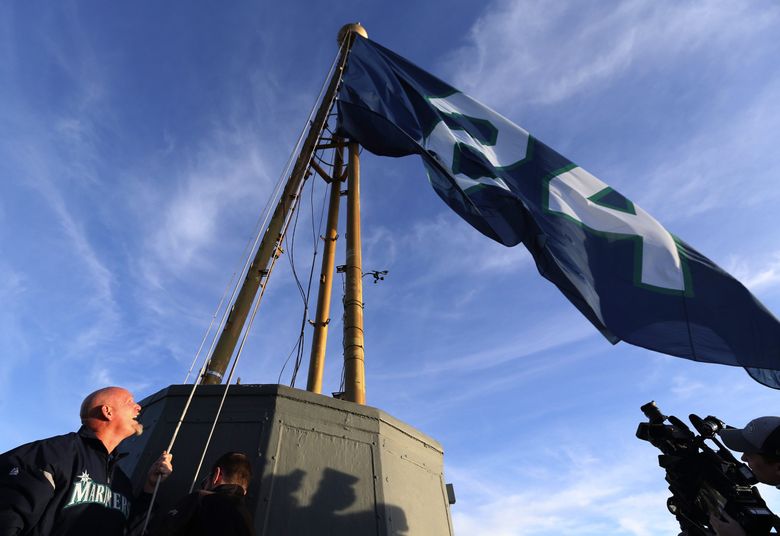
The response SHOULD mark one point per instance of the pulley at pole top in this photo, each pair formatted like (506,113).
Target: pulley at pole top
(355,27)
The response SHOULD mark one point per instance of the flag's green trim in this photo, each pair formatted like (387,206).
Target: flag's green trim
(529,155)
(478,135)
(457,150)
(599,196)
(492,141)
(546,186)
(635,239)
(427,131)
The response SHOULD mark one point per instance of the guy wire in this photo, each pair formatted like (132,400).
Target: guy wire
(290,243)
(264,285)
(266,211)
(208,330)
(315,234)
(305,296)
(240,351)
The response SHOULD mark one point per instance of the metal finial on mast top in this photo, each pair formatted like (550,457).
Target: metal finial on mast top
(352,27)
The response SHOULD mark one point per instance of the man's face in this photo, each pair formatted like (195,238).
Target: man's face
(766,471)
(126,410)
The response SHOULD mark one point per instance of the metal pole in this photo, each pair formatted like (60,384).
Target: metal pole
(354,356)
(322,319)
(272,239)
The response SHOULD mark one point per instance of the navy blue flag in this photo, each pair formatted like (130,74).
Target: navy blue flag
(623,270)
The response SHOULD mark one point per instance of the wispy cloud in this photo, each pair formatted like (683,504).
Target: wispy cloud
(445,249)
(228,173)
(535,337)
(564,473)
(532,51)
(577,493)
(685,387)
(14,345)
(716,168)
(56,153)
(197,233)
(12,283)
(527,55)
(41,170)
(764,275)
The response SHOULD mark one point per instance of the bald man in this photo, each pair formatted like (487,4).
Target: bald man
(71,484)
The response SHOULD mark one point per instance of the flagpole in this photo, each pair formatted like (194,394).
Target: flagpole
(354,355)
(270,245)
(322,318)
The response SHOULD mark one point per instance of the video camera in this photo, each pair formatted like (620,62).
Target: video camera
(704,480)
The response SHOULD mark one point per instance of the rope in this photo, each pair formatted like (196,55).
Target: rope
(260,224)
(240,351)
(266,214)
(273,262)
(208,330)
(173,440)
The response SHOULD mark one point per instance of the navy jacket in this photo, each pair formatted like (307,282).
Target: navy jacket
(65,485)
(221,512)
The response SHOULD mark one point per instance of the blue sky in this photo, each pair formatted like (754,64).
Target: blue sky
(139,143)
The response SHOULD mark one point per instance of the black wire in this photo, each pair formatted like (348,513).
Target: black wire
(315,234)
(324,163)
(299,346)
(343,321)
(290,246)
(291,255)
(304,317)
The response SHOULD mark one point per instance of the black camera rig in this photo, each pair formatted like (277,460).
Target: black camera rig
(703,476)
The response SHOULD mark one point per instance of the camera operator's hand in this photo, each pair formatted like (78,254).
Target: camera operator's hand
(725,525)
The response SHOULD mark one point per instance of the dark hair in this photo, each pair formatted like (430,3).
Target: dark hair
(236,468)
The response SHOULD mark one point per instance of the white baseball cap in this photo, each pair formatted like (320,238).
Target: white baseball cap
(760,436)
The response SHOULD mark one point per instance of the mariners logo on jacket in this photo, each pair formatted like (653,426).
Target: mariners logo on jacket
(85,490)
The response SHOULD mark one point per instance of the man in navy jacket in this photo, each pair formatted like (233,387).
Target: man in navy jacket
(71,484)
(216,510)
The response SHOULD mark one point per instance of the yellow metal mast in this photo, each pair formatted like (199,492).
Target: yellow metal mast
(270,247)
(322,318)
(354,355)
